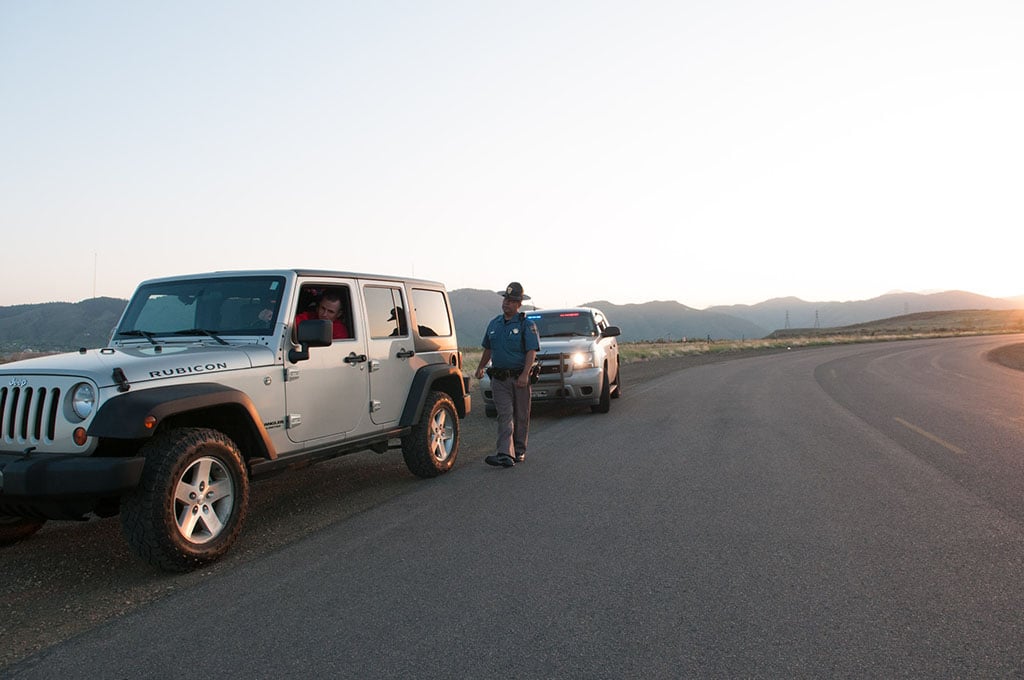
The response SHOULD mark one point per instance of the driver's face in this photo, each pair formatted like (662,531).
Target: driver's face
(328,310)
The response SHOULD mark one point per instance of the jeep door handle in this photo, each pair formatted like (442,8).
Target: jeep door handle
(405,353)
(354,358)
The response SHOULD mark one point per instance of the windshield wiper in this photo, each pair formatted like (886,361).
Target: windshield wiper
(567,334)
(201,331)
(140,334)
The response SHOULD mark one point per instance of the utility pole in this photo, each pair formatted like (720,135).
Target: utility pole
(817,323)
(95,258)
(787,319)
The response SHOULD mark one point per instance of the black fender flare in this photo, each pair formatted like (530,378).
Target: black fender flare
(424,381)
(126,415)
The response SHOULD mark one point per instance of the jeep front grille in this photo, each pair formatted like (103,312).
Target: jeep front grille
(28,415)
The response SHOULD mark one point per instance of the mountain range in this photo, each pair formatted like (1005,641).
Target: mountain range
(62,326)
(668,320)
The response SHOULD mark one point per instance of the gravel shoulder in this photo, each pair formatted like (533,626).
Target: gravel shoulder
(1011,356)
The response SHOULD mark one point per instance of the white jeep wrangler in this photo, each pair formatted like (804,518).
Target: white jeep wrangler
(207,383)
(578,357)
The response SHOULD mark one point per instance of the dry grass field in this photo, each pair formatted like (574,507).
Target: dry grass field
(960,322)
(911,326)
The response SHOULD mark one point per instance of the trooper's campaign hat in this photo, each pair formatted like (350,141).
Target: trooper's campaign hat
(514,291)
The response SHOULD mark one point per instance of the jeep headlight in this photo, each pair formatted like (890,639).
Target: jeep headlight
(583,359)
(83,399)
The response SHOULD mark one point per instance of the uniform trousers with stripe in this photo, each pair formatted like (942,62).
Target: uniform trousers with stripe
(513,406)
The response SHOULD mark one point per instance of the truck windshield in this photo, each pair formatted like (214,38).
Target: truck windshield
(212,307)
(563,324)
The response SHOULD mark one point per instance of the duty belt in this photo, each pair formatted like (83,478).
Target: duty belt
(503,373)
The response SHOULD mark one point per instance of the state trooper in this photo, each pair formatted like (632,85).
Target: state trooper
(510,344)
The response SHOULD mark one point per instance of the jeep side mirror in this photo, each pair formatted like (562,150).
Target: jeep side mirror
(611,332)
(311,333)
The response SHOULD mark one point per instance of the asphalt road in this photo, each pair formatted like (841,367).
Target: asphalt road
(844,511)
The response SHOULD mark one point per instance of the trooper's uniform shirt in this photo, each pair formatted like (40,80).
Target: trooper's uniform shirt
(510,340)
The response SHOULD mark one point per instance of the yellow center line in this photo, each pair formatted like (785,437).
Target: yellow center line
(928,435)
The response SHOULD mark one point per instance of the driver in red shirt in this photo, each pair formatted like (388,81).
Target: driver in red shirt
(329,309)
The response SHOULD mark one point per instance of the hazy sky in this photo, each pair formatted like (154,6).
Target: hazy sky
(712,152)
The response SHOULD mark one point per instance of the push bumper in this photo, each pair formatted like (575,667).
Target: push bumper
(581,387)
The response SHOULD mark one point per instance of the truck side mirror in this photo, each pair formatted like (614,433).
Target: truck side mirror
(611,332)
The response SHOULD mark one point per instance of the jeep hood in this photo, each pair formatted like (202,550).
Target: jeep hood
(145,363)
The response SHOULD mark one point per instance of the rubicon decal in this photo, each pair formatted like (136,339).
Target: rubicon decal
(184,370)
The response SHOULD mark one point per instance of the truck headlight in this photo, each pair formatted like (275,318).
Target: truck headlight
(583,360)
(83,399)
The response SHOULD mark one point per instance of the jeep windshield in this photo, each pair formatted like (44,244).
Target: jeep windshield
(563,324)
(214,307)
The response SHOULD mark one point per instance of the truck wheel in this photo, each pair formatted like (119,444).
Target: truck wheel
(191,502)
(432,446)
(605,402)
(14,529)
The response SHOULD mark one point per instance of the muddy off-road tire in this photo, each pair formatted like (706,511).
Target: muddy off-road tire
(191,502)
(14,529)
(432,446)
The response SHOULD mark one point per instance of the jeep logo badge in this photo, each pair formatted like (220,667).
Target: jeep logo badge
(18,382)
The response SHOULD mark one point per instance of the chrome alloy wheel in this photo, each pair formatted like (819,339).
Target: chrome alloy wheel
(442,434)
(203,500)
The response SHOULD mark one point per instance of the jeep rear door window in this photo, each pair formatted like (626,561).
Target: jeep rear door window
(432,318)
(386,311)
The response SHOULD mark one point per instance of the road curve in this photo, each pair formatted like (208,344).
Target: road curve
(843,511)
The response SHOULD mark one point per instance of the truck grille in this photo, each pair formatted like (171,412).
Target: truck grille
(28,415)
(554,364)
